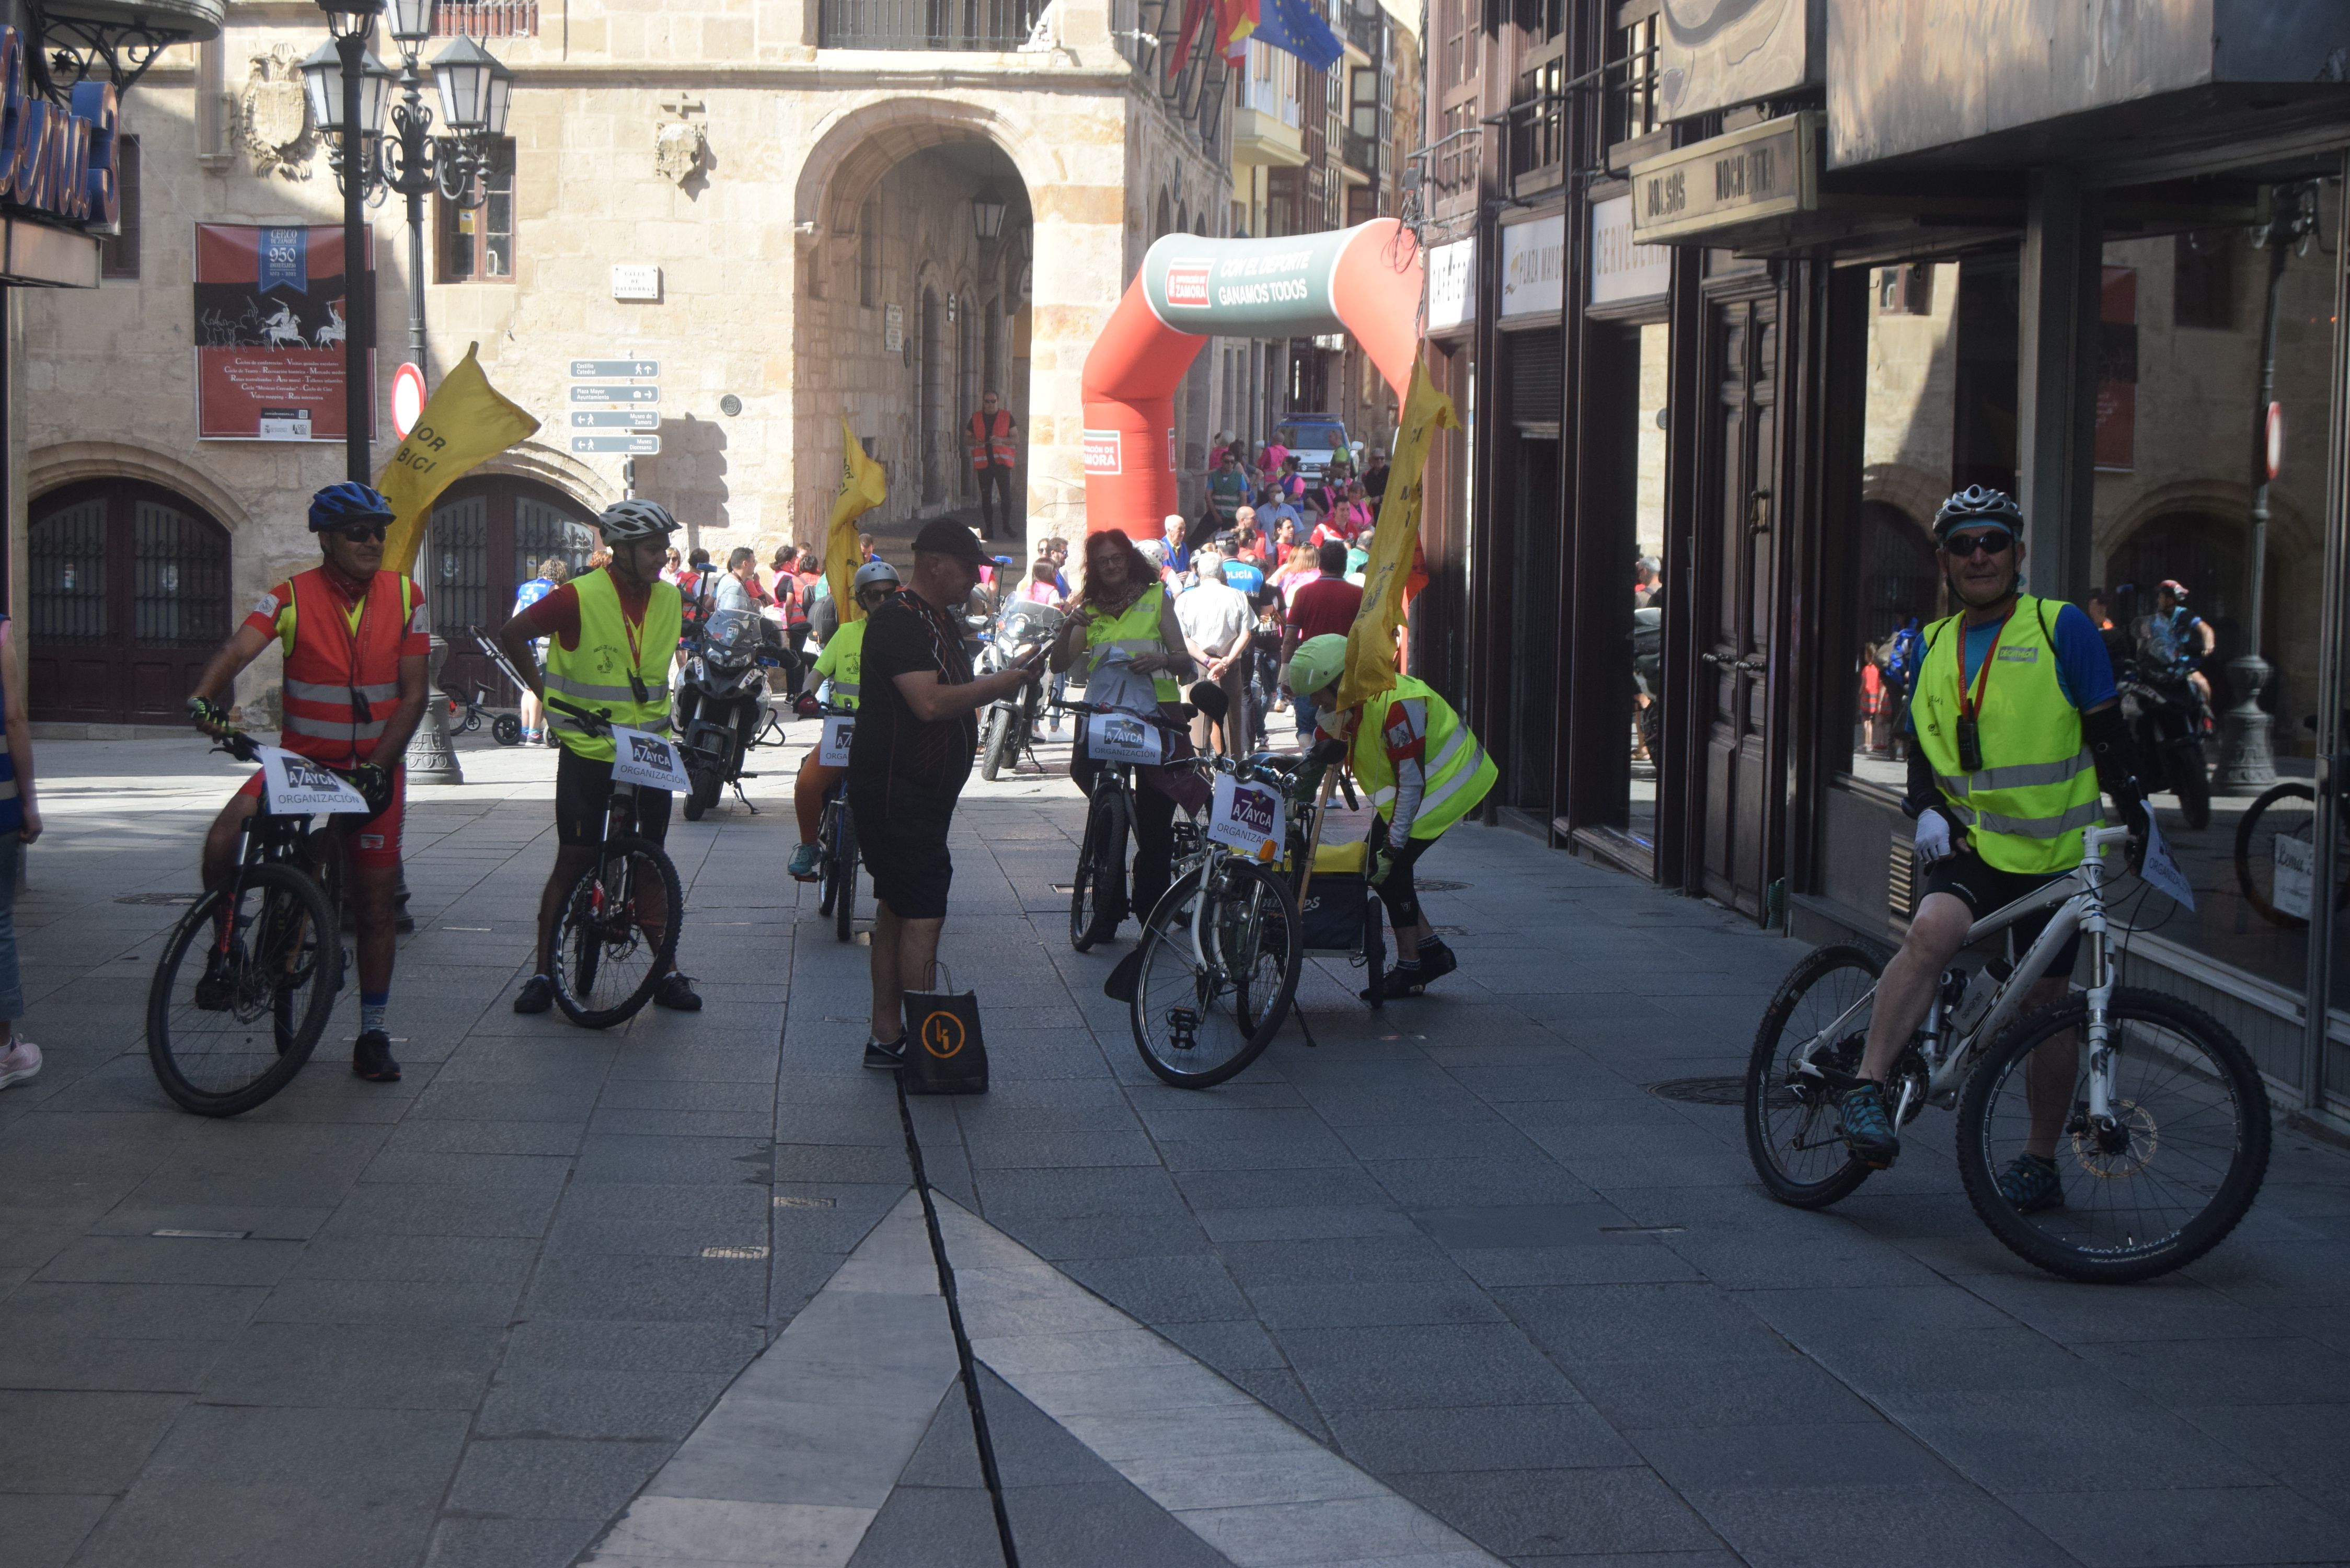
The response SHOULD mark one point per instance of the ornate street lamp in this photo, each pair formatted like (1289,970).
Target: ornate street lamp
(987,214)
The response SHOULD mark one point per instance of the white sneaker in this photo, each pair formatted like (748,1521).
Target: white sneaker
(18,1063)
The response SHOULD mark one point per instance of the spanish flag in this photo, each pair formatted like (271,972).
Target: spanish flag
(1394,546)
(465,422)
(1235,20)
(864,485)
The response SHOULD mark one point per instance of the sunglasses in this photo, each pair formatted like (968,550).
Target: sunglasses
(1990,542)
(363,533)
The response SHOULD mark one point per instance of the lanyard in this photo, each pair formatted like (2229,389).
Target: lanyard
(635,632)
(1969,707)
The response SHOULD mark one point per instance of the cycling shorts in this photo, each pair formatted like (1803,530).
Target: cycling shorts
(1985,889)
(583,794)
(372,841)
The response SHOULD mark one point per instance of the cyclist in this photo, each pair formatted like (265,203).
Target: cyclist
(2015,726)
(1425,770)
(2183,639)
(841,663)
(354,637)
(612,638)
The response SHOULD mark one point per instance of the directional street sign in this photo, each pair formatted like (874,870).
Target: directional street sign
(615,369)
(615,419)
(607,392)
(634,445)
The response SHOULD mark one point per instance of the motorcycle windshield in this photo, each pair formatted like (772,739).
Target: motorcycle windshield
(1027,622)
(732,634)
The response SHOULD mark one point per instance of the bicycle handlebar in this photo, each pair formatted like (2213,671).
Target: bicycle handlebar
(599,722)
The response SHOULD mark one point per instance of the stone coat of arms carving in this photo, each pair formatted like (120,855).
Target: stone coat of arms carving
(679,151)
(272,115)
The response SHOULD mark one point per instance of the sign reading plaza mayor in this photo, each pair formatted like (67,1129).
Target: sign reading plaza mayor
(272,327)
(1534,267)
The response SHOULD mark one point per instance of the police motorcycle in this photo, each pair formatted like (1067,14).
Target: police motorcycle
(2167,716)
(1021,627)
(721,705)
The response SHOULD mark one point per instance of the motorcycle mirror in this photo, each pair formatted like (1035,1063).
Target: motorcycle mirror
(1208,698)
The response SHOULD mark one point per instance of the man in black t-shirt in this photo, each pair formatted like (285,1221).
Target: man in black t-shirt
(917,726)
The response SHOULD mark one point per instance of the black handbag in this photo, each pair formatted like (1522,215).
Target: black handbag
(945,1051)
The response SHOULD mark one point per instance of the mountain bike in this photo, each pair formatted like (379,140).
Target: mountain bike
(2277,836)
(616,934)
(1107,816)
(2164,1122)
(836,847)
(248,977)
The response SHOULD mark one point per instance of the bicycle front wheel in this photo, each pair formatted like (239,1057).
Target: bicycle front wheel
(1105,838)
(2159,1188)
(844,874)
(1219,961)
(1794,1132)
(242,991)
(616,935)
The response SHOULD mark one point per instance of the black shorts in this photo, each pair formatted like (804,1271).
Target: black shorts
(583,794)
(1985,888)
(904,846)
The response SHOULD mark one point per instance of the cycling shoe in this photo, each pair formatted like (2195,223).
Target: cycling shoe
(371,1058)
(536,995)
(676,993)
(2031,1184)
(216,989)
(1868,1126)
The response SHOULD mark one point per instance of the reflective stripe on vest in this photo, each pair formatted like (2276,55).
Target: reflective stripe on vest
(993,447)
(1135,633)
(846,650)
(340,684)
(2024,808)
(594,675)
(1457,773)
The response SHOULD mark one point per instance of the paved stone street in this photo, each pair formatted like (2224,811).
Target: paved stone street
(1448,1287)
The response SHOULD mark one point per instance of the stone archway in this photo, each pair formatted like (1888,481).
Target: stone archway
(127,593)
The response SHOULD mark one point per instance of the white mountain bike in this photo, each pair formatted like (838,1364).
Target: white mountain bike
(2164,1121)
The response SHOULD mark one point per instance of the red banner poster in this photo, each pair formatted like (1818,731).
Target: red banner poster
(271,331)
(2117,438)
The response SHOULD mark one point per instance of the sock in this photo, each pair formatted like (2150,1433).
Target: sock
(372,1005)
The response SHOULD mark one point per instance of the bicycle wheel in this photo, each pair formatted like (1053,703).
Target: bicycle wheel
(844,856)
(827,869)
(229,1024)
(616,935)
(1105,836)
(1795,1134)
(1214,984)
(2289,811)
(2165,1184)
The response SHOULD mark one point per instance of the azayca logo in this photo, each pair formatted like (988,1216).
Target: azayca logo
(651,752)
(309,778)
(1125,732)
(1253,809)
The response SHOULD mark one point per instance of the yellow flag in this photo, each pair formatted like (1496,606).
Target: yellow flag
(465,422)
(1371,641)
(863,486)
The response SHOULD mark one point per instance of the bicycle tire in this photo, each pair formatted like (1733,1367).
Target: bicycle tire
(1105,830)
(844,902)
(992,744)
(583,947)
(1987,1131)
(1249,908)
(1786,1117)
(827,874)
(2253,858)
(2190,780)
(287,903)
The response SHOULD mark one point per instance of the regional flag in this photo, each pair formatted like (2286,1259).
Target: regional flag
(1298,26)
(863,484)
(465,422)
(1194,13)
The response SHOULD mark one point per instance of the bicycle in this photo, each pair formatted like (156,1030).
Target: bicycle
(228,1031)
(2164,1099)
(2280,828)
(1109,814)
(1221,954)
(836,861)
(616,935)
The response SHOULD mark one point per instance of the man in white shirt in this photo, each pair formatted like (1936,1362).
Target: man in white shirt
(1216,619)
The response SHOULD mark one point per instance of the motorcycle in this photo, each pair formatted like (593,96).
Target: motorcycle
(722,706)
(1023,627)
(2167,721)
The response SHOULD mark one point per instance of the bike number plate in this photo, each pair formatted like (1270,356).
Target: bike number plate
(646,759)
(296,786)
(832,749)
(2161,870)
(2296,866)
(1247,817)
(1121,737)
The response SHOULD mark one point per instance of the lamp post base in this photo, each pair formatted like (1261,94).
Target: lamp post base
(2247,761)
(430,759)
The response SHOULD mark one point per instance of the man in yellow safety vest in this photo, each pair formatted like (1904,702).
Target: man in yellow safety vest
(1425,770)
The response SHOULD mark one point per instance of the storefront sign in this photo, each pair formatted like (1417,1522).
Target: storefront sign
(1623,272)
(1534,267)
(1764,171)
(1452,285)
(271,325)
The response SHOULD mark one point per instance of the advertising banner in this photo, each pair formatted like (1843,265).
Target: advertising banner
(271,330)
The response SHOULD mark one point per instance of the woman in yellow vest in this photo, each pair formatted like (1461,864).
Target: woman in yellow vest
(842,662)
(1122,624)
(2016,726)
(1425,770)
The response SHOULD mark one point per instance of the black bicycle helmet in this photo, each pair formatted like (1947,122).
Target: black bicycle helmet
(341,505)
(624,521)
(1978,504)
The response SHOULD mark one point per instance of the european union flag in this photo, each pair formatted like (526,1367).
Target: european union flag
(1298,26)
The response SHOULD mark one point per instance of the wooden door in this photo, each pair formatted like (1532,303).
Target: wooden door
(486,540)
(1736,598)
(128,600)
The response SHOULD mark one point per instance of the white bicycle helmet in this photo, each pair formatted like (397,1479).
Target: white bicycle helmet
(624,522)
(870,573)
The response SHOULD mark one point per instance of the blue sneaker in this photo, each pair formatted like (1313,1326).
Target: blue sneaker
(804,860)
(1868,1126)
(2031,1184)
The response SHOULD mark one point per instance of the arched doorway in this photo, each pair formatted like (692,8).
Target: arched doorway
(1898,577)
(128,597)
(486,539)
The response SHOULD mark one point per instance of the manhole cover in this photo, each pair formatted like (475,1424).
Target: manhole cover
(156,898)
(1428,885)
(1703,1091)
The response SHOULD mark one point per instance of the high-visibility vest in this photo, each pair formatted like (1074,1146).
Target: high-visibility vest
(595,675)
(843,662)
(992,447)
(1135,631)
(341,682)
(1458,771)
(2024,808)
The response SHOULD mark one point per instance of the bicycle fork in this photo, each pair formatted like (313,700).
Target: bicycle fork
(2105,1069)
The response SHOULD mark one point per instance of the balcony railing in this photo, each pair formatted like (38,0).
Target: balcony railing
(996,25)
(1630,104)
(486,19)
(1445,171)
(1363,31)
(1360,152)
(1535,151)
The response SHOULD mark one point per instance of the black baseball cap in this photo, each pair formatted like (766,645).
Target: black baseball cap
(945,537)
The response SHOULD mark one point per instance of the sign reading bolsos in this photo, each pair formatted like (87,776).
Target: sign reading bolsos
(1766,170)
(1452,285)
(1622,271)
(1534,267)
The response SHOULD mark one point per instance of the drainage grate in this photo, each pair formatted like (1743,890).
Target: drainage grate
(156,898)
(1430,884)
(1701,1091)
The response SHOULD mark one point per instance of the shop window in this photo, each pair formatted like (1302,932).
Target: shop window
(119,255)
(2203,280)
(477,243)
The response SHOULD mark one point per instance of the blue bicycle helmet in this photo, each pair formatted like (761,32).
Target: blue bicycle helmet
(341,505)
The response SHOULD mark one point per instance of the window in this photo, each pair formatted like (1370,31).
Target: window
(1363,111)
(477,243)
(118,256)
(1905,290)
(2203,282)
(868,252)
